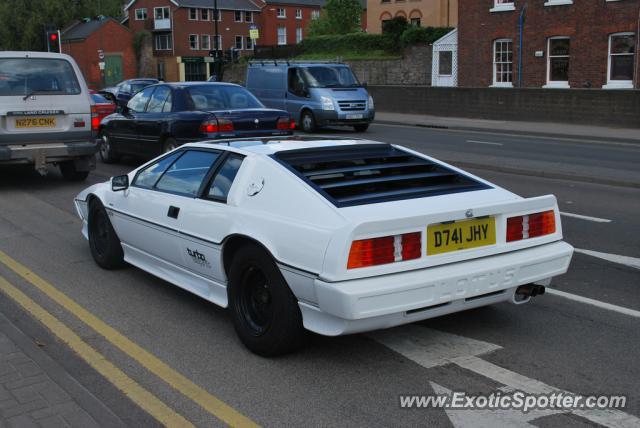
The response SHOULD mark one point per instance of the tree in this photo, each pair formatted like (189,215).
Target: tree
(337,17)
(23,21)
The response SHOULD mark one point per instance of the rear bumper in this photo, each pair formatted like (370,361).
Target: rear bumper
(386,301)
(43,153)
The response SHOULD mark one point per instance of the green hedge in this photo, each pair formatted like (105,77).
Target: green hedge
(413,35)
(370,42)
(346,42)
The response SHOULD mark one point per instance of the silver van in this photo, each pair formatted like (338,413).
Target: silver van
(47,116)
(315,93)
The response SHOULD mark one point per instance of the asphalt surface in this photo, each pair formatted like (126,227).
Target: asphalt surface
(357,380)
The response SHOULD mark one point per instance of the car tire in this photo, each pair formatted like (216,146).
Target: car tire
(104,243)
(169,145)
(265,313)
(308,122)
(70,173)
(106,151)
(361,127)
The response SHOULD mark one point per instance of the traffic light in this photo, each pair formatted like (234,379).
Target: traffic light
(53,41)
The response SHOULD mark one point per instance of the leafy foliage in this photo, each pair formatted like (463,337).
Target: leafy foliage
(338,17)
(23,21)
(414,35)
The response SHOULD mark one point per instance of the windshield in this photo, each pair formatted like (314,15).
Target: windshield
(222,97)
(326,76)
(26,76)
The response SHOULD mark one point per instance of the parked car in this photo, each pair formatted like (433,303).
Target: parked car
(46,114)
(335,236)
(103,106)
(161,117)
(316,94)
(123,91)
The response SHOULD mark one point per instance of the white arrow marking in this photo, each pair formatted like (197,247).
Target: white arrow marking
(431,348)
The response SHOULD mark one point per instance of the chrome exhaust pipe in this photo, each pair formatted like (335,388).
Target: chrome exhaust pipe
(530,290)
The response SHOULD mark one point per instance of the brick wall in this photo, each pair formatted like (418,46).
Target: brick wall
(587,22)
(269,23)
(113,39)
(579,106)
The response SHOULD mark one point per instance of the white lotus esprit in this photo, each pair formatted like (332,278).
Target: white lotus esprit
(333,235)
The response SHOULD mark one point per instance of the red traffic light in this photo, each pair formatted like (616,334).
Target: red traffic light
(53,37)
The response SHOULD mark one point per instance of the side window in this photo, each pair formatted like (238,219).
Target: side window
(221,184)
(296,84)
(139,100)
(168,104)
(186,174)
(147,177)
(156,103)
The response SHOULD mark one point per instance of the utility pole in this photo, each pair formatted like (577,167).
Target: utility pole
(218,68)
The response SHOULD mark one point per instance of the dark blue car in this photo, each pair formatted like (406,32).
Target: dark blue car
(123,91)
(162,117)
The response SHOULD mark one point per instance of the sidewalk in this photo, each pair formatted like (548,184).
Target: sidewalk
(35,391)
(560,130)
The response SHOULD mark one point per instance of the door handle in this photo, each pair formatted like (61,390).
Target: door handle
(173,212)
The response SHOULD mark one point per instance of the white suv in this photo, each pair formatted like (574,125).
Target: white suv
(46,114)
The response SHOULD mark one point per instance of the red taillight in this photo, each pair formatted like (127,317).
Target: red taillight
(213,126)
(95,119)
(387,249)
(285,123)
(531,226)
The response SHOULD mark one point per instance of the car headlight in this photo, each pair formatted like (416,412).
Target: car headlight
(370,102)
(327,103)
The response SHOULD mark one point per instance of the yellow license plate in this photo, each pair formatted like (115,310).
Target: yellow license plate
(36,122)
(460,235)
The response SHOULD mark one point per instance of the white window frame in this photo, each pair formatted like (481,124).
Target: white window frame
(169,42)
(236,14)
(213,17)
(248,43)
(284,32)
(315,14)
(556,83)
(204,37)
(202,11)
(497,84)
(503,6)
(197,39)
(144,11)
(235,42)
(299,34)
(558,2)
(298,13)
(284,13)
(620,84)
(193,11)
(248,16)
(213,47)
(163,8)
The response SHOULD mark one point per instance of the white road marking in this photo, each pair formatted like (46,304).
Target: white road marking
(585,217)
(431,348)
(489,143)
(633,262)
(593,302)
(463,418)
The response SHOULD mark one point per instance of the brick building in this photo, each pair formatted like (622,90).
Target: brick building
(284,22)
(565,43)
(183,33)
(84,39)
(425,13)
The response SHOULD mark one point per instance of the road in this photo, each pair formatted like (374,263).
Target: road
(553,343)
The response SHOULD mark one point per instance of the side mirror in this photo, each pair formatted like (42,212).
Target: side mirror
(119,182)
(364,84)
(125,110)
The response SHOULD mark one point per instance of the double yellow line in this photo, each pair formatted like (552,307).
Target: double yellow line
(138,394)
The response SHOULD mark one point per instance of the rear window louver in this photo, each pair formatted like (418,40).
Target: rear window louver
(362,174)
